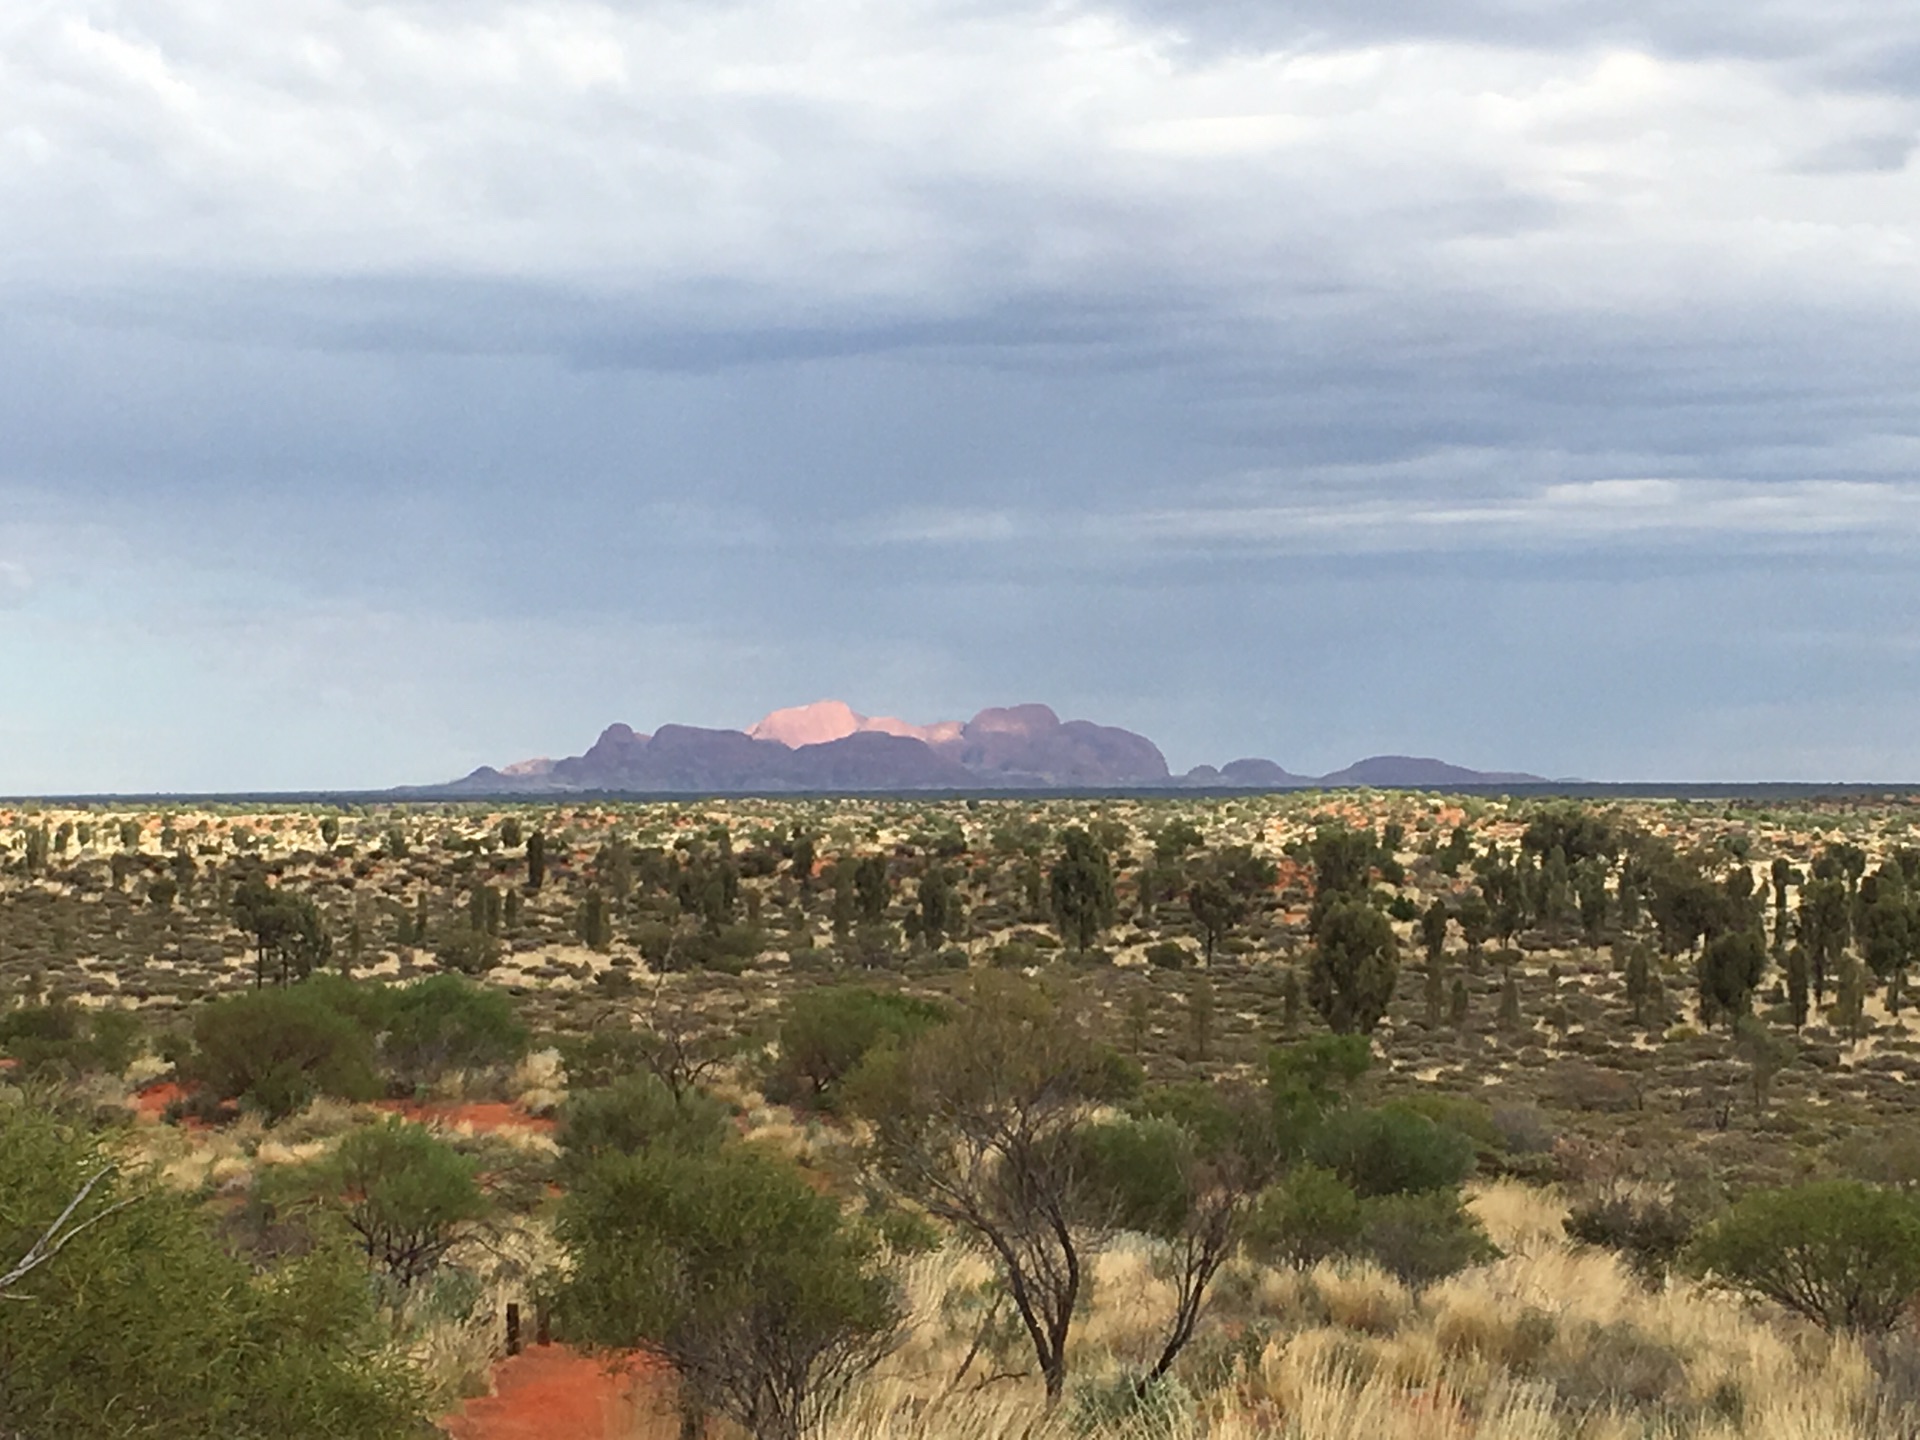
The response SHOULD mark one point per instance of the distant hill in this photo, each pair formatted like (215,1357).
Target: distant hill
(829,746)
(1410,772)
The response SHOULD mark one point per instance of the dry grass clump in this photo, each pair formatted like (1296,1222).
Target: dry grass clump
(452,1326)
(1553,1342)
(1520,1219)
(1359,1296)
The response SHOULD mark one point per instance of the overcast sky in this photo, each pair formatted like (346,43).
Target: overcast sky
(388,389)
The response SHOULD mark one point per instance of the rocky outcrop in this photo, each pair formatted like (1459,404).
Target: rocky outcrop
(829,746)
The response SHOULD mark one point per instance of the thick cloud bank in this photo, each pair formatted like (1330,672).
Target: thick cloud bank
(387,389)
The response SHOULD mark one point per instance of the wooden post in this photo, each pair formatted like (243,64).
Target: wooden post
(513,1328)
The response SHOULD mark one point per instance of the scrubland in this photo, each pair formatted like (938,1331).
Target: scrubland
(1610,1009)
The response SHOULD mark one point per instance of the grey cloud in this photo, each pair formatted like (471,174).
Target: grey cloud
(1860,154)
(1859,37)
(1500,397)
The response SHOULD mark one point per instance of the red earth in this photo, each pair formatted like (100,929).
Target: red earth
(151,1102)
(549,1392)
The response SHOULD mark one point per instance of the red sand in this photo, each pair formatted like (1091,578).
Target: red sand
(483,1118)
(549,1392)
(152,1102)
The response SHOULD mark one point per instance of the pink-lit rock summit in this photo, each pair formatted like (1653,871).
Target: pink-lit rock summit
(829,746)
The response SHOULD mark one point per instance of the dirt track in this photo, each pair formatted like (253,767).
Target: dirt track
(550,1392)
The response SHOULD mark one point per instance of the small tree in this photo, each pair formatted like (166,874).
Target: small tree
(1082,887)
(1850,997)
(1730,971)
(1844,1254)
(1353,967)
(872,887)
(596,924)
(536,859)
(123,1317)
(286,928)
(407,1195)
(1433,929)
(940,909)
(980,1121)
(1509,1017)
(1765,1054)
(1183,1175)
(1200,1005)
(1216,908)
(766,1302)
(1799,976)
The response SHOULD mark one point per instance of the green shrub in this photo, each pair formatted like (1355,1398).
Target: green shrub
(447,1023)
(143,1328)
(1471,1118)
(62,1040)
(1310,1216)
(766,1301)
(275,1050)
(826,1033)
(1168,955)
(467,951)
(635,1114)
(1422,1237)
(1314,1215)
(406,1195)
(1844,1254)
(1392,1150)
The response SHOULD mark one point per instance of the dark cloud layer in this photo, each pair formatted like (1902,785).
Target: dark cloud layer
(388,390)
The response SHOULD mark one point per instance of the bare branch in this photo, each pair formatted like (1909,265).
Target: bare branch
(61,1233)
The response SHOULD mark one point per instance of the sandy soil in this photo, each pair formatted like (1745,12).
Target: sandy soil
(549,1392)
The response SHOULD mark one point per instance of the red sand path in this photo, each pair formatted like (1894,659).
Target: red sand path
(549,1392)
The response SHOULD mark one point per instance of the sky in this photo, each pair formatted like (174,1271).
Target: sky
(388,389)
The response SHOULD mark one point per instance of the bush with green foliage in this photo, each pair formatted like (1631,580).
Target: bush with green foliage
(979,1120)
(1310,1216)
(826,1033)
(1168,955)
(1422,1237)
(446,1023)
(764,1298)
(62,1041)
(275,1050)
(1844,1254)
(286,928)
(142,1326)
(1308,1079)
(1392,1150)
(1313,1214)
(634,1115)
(408,1197)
